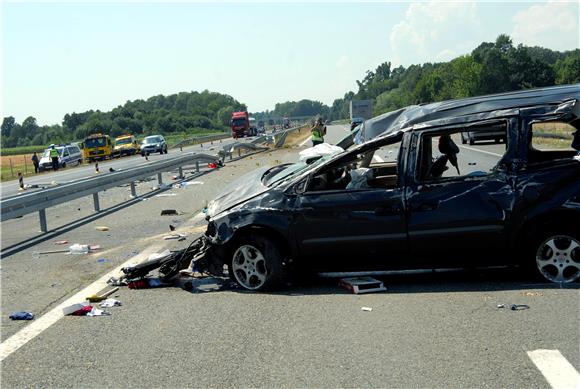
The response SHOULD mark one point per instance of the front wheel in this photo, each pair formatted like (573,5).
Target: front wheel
(165,150)
(557,256)
(257,264)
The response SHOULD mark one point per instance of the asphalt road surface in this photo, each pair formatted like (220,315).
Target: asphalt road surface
(433,330)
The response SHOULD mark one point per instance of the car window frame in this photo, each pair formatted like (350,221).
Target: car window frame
(419,133)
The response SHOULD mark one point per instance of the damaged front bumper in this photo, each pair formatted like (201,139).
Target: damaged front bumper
(200,256)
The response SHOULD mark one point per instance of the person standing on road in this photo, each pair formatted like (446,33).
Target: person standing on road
(54,157)
(317,132)
(35,162)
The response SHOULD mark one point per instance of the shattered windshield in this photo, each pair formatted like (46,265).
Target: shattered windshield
(296,168)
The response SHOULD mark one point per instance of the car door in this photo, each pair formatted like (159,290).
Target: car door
(351,228)
(459,220)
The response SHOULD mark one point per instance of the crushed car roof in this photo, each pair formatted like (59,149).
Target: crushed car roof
(391,122)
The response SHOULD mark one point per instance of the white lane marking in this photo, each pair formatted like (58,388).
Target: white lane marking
(481,151)
(37,326)
(305,141)
(559,373)
(378,159)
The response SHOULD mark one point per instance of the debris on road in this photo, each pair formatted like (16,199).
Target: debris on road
(168,212)
(61,242)
(74,308)
(103,260)
(359,285)
(514,307)
(146,283)
(166,195)
(79,249)
(113,281)
(97,298)
(109,303)
(366,309)
(102,228)
(171,228)
(173,236)
(98,312)
(21,315)
(74,249)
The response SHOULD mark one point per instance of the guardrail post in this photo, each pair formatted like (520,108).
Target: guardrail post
(181,172)
(239,152)
(197,166)
(42,216)
(133,189)
(159,179)
(96,202)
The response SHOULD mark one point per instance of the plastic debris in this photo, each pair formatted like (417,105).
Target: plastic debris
(103,260)
(166,195)
(171,228)
(500,306)
(79,249)
(173,236)
(358,285)
(168,212)
(366,309)
(74,308)
(109,303)
(98,312)
(519,307)
(21,315)
(113,281)
(146,283)
(102,228)
(61,242)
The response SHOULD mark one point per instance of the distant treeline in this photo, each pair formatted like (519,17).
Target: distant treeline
(490,68)
(158,114)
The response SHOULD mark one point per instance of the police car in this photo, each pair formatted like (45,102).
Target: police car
(69,154)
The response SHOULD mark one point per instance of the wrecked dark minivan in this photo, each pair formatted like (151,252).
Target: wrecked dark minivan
(409,197)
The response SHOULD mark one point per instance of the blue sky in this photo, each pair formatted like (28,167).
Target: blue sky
(60,58)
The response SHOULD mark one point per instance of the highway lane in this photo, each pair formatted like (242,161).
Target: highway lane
(437,330)
(10,188)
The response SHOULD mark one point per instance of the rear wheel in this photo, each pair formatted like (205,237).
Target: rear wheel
(257,264)
(557,256)
(471,141)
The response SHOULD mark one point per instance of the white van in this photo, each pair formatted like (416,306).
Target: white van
(67,155)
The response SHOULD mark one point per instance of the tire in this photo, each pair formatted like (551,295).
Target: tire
(256,264)
(471,141)
(556,255)
(63,165)
(142,153)
(165,150)
(463,140)
(161,151)
(80,161)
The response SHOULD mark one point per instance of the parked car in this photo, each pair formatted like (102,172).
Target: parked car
(69,155)
(431,205)
(474,136)
(153,144)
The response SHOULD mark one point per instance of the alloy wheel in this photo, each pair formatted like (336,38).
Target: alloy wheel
(249,267)
(558,259)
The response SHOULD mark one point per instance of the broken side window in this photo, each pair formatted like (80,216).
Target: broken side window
(440,157)
(553,140)
(372,169)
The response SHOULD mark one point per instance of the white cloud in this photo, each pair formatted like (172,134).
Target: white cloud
(431,29)
(553,25)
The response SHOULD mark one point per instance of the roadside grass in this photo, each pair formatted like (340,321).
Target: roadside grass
(7,151)
(552,135)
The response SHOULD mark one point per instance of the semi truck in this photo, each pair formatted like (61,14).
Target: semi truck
(242,124)
(361,109)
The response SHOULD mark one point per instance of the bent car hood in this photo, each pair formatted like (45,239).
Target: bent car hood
(244,188)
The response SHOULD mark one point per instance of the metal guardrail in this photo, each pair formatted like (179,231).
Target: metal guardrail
(24,204)
(200,139)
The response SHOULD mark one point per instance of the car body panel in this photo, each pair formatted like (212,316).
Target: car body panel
(453,221)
